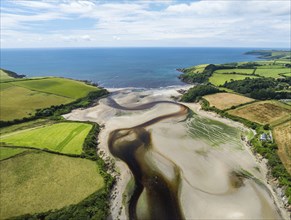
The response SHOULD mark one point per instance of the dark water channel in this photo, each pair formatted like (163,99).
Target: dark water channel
(131,145)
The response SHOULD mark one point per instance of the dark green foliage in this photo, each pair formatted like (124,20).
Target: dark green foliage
(259,88)
(249,65)
(196,92)
(285,80)
(90,143)
(269,151)
(266,127)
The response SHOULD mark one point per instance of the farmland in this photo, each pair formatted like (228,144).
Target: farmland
(25,125)
(197,69)
(38,93)
(226,100)
(283,139)
(218,79)
(18,102)
(57,86)
(272,72)
(264,112)
(10,152)
(236,71)
(38,182)
(61,137)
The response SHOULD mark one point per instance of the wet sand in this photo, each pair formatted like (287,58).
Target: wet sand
(204,177)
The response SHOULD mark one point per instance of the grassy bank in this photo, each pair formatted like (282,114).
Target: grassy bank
(38,97)
(39,181)
(63,137)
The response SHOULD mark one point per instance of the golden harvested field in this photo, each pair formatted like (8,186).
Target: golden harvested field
(282,136)
(226,100)
(265,112)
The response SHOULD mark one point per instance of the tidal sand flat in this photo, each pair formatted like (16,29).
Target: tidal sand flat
(185,165)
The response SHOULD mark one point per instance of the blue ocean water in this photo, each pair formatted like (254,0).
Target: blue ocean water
(117,67)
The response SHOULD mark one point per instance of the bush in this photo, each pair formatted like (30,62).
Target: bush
(196,92)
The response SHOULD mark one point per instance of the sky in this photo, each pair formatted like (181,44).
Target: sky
(145,23)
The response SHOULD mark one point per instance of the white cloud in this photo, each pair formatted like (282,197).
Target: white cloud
(116,38)
(148,23)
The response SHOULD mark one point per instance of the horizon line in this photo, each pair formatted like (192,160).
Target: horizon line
(145,47)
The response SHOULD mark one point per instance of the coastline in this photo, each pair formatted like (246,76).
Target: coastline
(273,187)
(101,114)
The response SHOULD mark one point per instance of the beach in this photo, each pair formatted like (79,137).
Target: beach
(198,155)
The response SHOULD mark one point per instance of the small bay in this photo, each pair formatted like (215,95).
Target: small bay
(117,67)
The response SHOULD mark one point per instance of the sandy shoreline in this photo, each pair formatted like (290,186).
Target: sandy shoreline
(196,107)
(113,119)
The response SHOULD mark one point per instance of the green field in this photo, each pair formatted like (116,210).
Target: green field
(284,61)
(21,98)
(271,67)
(58,86)
(219,79)
(271,72)
(236,71)
(25,125)
(196,69)
(18,102)
(62,137)
(6,152)
(4,76)
(37,182)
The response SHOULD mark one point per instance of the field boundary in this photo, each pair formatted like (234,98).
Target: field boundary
(50,93)
(240,105)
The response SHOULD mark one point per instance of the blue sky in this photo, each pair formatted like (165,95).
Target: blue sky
(145,23)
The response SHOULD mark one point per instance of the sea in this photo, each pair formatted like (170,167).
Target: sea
(118,67)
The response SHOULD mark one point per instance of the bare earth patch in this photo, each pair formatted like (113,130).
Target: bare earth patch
(226,100)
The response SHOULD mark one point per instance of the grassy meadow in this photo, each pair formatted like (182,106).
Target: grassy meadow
(264,112)
(225,100)
(236,71)
(58,86)
(21,97)
(7,152)
(272,72)
(18,102)
(63,137)
(38,181)
(219,79)
(196,69)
